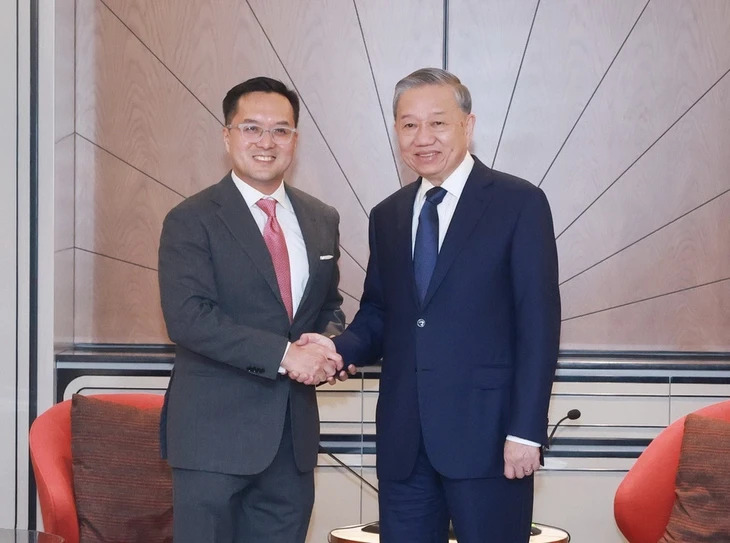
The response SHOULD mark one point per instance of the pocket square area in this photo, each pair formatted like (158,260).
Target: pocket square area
(326,257)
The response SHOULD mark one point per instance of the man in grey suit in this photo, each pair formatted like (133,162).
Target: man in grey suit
(247,267)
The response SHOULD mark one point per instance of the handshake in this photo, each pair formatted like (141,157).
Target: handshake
(313,359)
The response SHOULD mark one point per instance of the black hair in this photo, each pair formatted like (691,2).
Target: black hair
(258,84)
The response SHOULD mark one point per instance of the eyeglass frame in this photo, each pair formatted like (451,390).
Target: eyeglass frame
(291,131)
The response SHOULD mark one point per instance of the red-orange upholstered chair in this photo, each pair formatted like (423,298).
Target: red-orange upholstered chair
(644,499)
(50,453)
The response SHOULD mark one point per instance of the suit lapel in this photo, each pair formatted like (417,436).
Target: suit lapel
(404,236)
(309,225)
(237,217)
(473,202)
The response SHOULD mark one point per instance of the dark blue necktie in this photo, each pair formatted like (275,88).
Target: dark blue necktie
(426,248)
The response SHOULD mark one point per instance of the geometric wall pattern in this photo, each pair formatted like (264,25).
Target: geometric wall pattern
(619,111)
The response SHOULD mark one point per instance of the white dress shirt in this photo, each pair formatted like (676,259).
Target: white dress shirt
(454,185)
(298,261)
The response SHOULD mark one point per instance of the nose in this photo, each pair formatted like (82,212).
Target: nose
(423,136)
(266,140)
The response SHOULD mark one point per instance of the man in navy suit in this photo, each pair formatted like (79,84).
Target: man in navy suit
(461,301)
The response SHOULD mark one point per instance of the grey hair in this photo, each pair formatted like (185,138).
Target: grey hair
(433,76)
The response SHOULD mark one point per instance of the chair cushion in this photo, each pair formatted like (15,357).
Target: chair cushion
(123,488)
(700,512)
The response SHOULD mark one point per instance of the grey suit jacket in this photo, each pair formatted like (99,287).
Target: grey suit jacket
(226,402)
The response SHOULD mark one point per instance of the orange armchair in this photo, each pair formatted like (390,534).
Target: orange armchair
(644,499)
(50,453)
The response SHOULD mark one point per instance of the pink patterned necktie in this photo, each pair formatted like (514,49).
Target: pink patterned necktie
(276,243)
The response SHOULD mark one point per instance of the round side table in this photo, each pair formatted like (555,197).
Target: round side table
(363,533)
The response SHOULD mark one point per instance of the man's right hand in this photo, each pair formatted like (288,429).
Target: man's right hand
(311,363)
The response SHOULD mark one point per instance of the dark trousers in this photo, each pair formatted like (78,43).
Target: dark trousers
(418,508)
(273,506)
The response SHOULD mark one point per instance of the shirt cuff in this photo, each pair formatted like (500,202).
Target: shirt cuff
(523,441)
(282,370)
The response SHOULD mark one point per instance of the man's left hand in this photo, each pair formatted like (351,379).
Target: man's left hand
(520,460)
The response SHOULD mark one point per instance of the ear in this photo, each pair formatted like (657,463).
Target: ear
(227,139)
(469,126)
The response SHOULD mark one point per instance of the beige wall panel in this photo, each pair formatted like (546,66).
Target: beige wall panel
(214,45)
(336,501)
(486,41)
(63,298)
(316,172)
(693,320)
(119,211)
(131,105)
(352,277)
(349,306)
(210,45)
(691,251)
(686,168)
(401,37)
(116,302)
(63,193)
(571,46)
(321,46)
(64,53)
(581,503)
(676,52)
(352,274)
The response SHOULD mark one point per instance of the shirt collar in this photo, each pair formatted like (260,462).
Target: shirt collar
(454,183)
(251,195)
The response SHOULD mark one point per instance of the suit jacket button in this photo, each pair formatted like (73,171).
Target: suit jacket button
(421,323)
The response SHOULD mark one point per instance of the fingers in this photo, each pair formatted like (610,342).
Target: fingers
(319,339)
(312,360)
(520,460)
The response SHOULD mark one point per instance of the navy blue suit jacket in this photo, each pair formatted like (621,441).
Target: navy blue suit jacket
(475,362)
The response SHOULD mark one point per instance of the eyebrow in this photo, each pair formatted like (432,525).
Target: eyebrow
(409,115)
(254,121)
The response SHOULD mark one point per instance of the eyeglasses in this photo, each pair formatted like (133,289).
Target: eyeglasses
(253,133)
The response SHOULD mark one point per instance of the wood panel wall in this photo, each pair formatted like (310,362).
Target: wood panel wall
(620,111)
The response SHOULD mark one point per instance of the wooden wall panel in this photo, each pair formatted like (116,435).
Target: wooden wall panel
(64,74)
(486,42)
(692,320)
(116,302)
(209,45)
(572,44)
(676,52)
(63,194)
(321,46)
(352,274)
(401,37)
(228,32)
(64,67)
(130,105)
(685,169)
(119,211)
(63,299)
(692,251)
(63,262)
(316,171)
(150,77)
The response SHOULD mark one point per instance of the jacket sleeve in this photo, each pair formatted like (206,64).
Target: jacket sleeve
(536,294)
(190,304)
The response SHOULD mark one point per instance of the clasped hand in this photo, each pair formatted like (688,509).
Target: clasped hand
(313,359)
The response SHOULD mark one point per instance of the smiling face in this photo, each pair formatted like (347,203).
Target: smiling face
(262,164)
(433,132)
